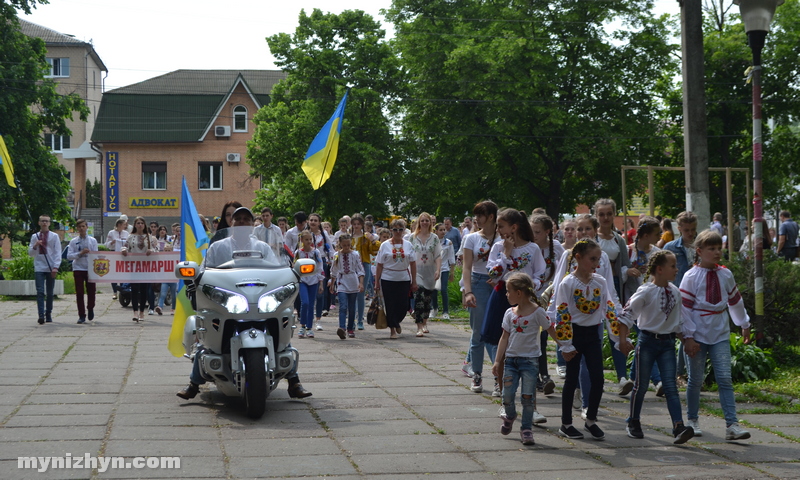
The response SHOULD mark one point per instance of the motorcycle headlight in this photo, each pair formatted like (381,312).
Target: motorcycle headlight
(232,301)
(270,301)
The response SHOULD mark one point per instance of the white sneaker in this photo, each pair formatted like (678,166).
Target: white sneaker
(434,313)
(583,413)
(577,401)
(318,327)
(446,316)
(562,371)
(467,369)
(538,418)
(498,390)
(625,386)
(735,432)
(695,424)
(501,413)
(477,383)
(301,333)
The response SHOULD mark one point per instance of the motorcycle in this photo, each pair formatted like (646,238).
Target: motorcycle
(244,318)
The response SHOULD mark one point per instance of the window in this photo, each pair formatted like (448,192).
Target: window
(56,143)
(154,176)
(240,118)
(210,176)
(59,67)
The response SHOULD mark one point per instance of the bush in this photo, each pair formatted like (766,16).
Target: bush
(749,362)
(20,267)
(781,295)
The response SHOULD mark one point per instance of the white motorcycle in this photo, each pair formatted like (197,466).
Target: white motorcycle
(245,318)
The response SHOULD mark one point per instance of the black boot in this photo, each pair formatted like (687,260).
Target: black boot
(189,392)
(296,389)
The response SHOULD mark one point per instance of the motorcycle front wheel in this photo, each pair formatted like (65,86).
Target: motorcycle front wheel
(255,386)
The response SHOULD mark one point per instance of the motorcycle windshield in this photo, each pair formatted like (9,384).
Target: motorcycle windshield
(238,244)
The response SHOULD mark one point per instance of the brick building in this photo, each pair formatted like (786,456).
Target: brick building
(192,123)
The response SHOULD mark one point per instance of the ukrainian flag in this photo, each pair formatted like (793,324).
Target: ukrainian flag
(8,167)
(321,155)
(194,243)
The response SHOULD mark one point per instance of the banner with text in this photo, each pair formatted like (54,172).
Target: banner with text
(112,182)
(108,267)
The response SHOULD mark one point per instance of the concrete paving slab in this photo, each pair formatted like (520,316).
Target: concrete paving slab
(415,463)
(57,448)
(290,467)
(645,456)
(56,420)
(380,427)
(526,458)
(379,444)
(713,471)
(237,431)
(781,470)
(364,414)
(275,447)
(28,434)
(776,420)
(742,451)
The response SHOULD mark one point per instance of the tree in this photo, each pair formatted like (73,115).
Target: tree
(327,54)
(530,103)
(28,104)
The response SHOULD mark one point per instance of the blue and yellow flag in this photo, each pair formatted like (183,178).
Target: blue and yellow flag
(321,155)
(194,243)
(5,159)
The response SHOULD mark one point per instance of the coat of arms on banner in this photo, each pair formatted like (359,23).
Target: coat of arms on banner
(100,266)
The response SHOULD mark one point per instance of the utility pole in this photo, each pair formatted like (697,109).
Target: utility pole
(695,134)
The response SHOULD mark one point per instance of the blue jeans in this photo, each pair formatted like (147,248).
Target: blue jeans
(44,280)
(516,369)
(655,373)
(652,351)
(720,355)
(445,277)
(308,294)
(168,287)
(361,296)
(482,291)
(347,308)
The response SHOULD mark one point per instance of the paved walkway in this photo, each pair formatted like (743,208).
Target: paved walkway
(381,409)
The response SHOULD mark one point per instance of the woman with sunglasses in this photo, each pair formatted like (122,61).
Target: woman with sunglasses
(396,275)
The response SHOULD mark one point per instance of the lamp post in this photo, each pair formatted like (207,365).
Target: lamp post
(757,15)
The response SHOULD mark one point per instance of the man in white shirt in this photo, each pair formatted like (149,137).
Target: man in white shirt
(269,233)
(78,251)
(291,238)
(45,248)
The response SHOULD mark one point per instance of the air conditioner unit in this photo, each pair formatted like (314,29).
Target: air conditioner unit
(233,157)
(222,131)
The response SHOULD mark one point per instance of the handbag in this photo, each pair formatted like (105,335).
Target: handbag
(376,314)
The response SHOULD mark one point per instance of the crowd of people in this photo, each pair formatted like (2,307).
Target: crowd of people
(525,278)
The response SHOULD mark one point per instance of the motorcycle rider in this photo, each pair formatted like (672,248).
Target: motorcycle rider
(218,253)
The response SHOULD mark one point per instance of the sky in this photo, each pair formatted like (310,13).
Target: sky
(141,39)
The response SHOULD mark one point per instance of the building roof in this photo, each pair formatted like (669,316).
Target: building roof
(179,106)
(53,38)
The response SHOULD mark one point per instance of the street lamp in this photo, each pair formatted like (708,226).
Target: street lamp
(757,15)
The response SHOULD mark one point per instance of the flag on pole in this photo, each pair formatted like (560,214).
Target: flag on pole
(194,243)
(321,155)
(5,159)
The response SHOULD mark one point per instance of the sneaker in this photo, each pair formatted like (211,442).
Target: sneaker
(151,312)
(340,332)
(501,412)
(549,386)
(351,334)
(324,313)
(361,325)
(301,333)
(90,314)
(310,333)
(682,434)
(508,423)
(561,370)
(577,401)
(81,320)
(570,432)
(114,297)
(318,327)
(660,390)
(434,313)
(477,383)
(736,432)
(159,311)
(498,390)
(466,367)
(538,418)
(634,429)
(695,424)
(446,316)
(527,437)
(625,386)
(41,320)
(583,413)
(594,431)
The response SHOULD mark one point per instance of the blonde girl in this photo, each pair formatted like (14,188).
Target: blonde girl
(710,299)
(584,301)
(570,231)
(310,286)
(656,308)
(428,250)
(518,352)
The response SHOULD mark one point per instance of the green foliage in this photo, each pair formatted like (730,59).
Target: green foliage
(93,194)
(781,294)
(749,362)
(20,267)
(326,54)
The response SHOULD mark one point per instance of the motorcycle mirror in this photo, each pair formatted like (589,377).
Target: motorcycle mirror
(186,271)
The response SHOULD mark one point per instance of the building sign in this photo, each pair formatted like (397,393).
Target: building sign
(153,202)
(107,267)
(112,182)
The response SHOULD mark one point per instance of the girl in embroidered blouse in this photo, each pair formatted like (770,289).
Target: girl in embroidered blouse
(518,351)
(656,308)
(429,266)
(584,302)
(516,253)
(347,276)
(139,241)
(310,286)
(324,244)
(710,296)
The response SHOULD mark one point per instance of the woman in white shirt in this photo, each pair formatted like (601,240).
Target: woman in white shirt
(115,240)
(428,251)
(396,275)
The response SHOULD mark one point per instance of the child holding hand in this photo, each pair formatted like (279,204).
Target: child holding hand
(518,352)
